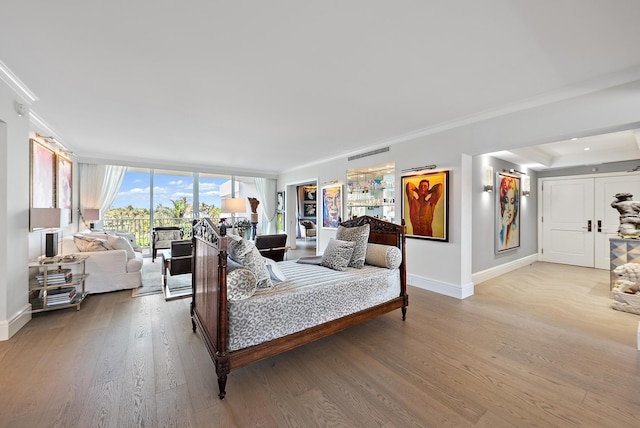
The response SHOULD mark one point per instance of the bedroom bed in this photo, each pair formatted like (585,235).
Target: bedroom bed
(244,317)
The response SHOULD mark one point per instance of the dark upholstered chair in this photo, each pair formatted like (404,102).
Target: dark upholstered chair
(273,247)
(181,255)
(161,238)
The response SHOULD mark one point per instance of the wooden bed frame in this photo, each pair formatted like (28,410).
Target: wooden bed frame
(209,302)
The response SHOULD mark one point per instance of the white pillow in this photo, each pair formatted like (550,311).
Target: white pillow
(121,243)
(274,270)
(129,237)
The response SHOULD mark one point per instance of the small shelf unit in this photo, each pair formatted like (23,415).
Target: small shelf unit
(39,292)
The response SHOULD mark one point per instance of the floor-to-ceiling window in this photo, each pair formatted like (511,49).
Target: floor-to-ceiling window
(131,208)
(152,197)
(209,194)
(172,199)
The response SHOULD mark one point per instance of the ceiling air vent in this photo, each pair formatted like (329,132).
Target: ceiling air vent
(371,153)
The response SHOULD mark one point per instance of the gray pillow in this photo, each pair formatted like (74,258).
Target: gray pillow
(337,254)
(246,254)
(359,236)
(241,283)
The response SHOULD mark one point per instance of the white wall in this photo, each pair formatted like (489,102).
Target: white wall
(447,267)
(424,257)
(14,215)
(485,259)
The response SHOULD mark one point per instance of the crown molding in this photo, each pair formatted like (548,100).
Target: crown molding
(8,77)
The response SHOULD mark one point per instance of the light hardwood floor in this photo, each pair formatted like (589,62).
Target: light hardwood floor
(536,347)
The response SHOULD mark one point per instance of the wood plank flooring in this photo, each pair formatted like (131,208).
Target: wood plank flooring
(536,347)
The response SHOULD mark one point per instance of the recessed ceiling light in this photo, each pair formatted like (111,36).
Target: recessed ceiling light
(574,138)
(586,149)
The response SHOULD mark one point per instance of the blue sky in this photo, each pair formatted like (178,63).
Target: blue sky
(134,190)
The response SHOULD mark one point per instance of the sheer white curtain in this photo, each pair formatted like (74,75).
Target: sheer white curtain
(266,188)
(99,185)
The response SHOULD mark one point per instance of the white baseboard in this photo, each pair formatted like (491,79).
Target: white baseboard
(458,292)
(467,290)
(10,327)
(495,271)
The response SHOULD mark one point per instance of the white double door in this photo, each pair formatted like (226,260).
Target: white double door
(578,220)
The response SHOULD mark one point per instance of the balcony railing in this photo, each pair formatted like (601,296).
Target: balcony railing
(141,229)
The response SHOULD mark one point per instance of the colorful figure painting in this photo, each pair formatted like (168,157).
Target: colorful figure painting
(331,206)
(424,206)
(507,212)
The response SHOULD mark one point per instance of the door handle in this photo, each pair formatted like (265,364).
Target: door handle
(589,226)
(599,225)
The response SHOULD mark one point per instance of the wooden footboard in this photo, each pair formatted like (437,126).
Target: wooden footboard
(209,302)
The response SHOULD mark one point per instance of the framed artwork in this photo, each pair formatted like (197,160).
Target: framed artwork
(331,206)
(280,222)
(43,170)
(63,184)
(310,193)
(280,201)
(425,205)
(310,209)
(507,212)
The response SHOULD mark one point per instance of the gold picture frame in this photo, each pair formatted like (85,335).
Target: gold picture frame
(425,205)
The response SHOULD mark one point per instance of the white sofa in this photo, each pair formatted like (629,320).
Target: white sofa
(108,269)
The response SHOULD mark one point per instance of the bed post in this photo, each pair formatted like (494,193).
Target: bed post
(193,275)
(384,232)
(222,357)
(403,270)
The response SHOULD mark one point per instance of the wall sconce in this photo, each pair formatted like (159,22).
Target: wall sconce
(488,179)
(21,109)
(526,185)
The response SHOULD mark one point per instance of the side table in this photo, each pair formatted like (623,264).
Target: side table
(55,285)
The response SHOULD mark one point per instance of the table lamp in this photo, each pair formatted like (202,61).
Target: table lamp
(91,215)
(233,206)
(47,218)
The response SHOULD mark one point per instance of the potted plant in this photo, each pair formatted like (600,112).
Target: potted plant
(244,228)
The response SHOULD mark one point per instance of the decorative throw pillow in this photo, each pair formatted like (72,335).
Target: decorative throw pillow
(237,247)
(244,252)
(274,270)
(129,237)
(86,244)
(359,236)
(121,243)
(241,283)
(337,254)
(384,256)
(168,235)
